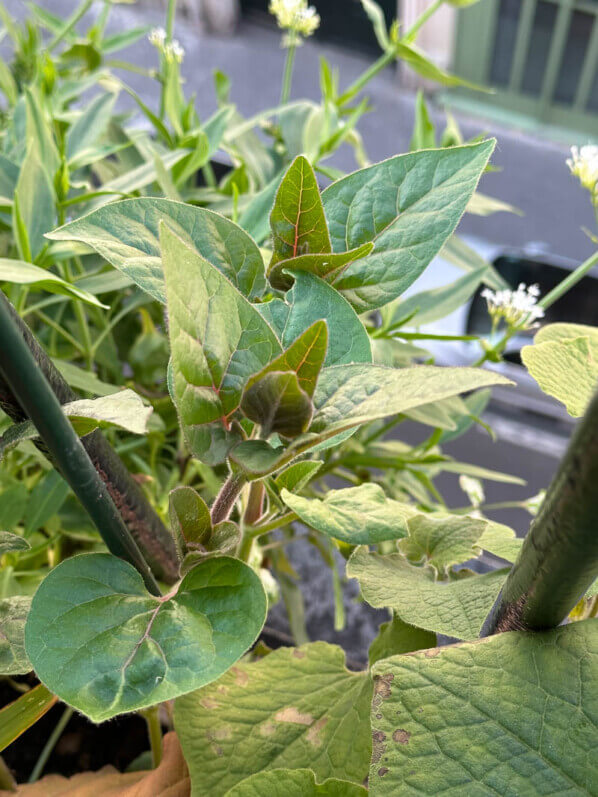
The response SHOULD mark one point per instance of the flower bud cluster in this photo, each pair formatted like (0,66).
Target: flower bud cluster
(583,163)
(295,16)
(172,50)
(519,309)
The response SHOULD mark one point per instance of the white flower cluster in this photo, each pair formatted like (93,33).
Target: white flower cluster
(584,165)
(295,16)
(519,308)
(171,50)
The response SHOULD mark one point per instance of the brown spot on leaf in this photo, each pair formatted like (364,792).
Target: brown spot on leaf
(431,653)
(382,771)
(401,736)
(292,714)
(222,689)
(378,746)
(298,654)
(382,685)
(217,734)
(209,703)
(313,734)
(241,676)
(267,729)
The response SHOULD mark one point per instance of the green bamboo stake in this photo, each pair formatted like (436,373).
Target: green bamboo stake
(34,394)
(559,557)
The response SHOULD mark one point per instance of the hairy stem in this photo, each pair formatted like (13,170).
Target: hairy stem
(226,498)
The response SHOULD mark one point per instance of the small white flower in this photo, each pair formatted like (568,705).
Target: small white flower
(583,163)
(473,489)
(174,51)
(519,308)
(157,37)
(295,16)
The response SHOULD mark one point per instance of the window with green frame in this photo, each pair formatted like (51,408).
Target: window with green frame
(540,56)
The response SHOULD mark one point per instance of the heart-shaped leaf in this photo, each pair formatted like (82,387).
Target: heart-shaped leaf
(442,540)
(217,339)
(511,714)
(13,615)
(455,608)
(126,234)
(278,404)
(104,645)
(408,206)
(296,708)
(297,220)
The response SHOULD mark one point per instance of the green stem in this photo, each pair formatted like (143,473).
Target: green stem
(358,84)
(255,503)
(287,77)
(422,19)
(70,23)
(50,744)
(277,523)
(559,557)
(7,781)
(37,399)
(568,282)
(170,18)
(154,731)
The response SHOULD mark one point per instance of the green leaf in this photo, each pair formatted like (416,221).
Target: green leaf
(83,380)
(442,414)
(349,395)
(12,542)
(257,458)
(294,783)
(224,540)
(298,475)
(482,205)
(501,541)
(278,404)
(409,206)
(13,502)
(35,197)
(424,132)
(417,60)
(397,637)
(24,712)
(442,540)
(189,517)
(19,272)
(126,234)
(378,20)
(356,515)
(45,500)
(311,299)
(9,174)
(13,614)
(254,219)
(125,649)
(90,125)
(297,220)
(511,714)
(455,608)
(124,410)
(327,266)
(296,708)
(305,357)
(457,252)
(564,363)
(218,340)
(39,133)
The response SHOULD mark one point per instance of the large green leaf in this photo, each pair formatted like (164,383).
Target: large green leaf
(294,783)
(442,540)
(309,300)
(13,614)
(20,272)
(409,206)
(356,515)
(126,234)
(296,708)
(217,339)
(297,220)
(349,395)
(103,644)
(513,714)
(396,637)
(564,362)
(456,608)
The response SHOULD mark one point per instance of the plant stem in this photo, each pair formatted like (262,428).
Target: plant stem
(70,23)
(154,731)
(568,282)
(277,523)
(287,77)
(170,18)
(6,779)
(225,500)
(255,503)
(559,557)
(37,399)
(50,744)
(358,84)
(422,19)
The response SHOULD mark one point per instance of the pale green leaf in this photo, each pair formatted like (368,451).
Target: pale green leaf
(12,542)
(13,614)
(482,205)
(397,637)
(294,783)
(456,608)
(514,714)
(35,197)
(126,234)
(90,125)
(19,272)
(218,340)
(442,540)
(457,252)
(297,220)
(104,645)
(45,500)
(421,64)
(564,362)
(298,475)
(356,515)
(408,206)
(296,708)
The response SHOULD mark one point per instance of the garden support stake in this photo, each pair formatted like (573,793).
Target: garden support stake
(147,529)
(559,558)
(33,392)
